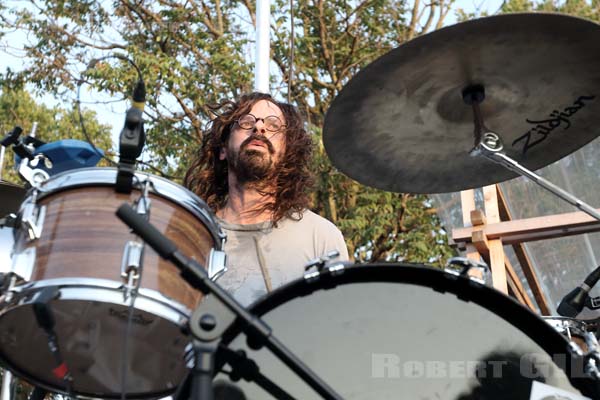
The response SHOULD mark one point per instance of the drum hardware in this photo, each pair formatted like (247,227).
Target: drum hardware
(465,267)
(247,369)
(34,176)
(131,264)
(44,317)
(132,138)
(593,303)
(131,267)
(205,344)
(217,264)
(324,266)
(32,217)
(592,363)
(6,391)
(490,146)
(23,263)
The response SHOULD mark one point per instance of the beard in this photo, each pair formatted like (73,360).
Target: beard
(250,165)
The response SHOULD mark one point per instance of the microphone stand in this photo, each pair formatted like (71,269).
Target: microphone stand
(215,314)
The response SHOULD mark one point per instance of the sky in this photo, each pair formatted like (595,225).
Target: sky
(113,114)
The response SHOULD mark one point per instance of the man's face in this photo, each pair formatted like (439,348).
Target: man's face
(253,153)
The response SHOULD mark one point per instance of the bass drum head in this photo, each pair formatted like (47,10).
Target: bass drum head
(401,331)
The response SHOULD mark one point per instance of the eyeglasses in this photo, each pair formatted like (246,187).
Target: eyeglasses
(272,123)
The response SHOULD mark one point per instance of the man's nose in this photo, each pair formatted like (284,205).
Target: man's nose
(259,127)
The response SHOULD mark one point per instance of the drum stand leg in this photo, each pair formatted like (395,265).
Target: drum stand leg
(6,385)
(203,370)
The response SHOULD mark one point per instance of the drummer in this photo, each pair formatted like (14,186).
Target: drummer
(253,170)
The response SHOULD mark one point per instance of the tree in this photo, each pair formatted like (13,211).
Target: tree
(195,53)
(17,107)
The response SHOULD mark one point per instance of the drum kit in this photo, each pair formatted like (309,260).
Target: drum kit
(88,310)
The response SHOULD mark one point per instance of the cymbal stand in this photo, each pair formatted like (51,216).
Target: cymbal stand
(204,322)
(489,145)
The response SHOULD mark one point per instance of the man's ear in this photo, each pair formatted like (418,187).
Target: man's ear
(222,154)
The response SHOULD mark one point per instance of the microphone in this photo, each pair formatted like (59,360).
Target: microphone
(132,139)
(573,303)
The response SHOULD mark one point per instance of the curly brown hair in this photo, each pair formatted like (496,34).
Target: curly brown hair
(207,175)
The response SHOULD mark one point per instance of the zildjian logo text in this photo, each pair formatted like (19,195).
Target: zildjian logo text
(542,128)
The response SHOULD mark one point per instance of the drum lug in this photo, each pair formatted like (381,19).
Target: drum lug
(471,269)
(143,203)
(32,219)
(216,264)
(23,263)
(324,266)
(131,265)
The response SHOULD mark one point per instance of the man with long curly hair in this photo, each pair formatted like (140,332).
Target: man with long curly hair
(253,171)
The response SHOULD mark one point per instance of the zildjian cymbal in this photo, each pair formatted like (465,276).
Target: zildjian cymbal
(401,123)
(11,197)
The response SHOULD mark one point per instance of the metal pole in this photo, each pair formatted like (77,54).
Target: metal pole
(2,151)
(261,66)
(6,382)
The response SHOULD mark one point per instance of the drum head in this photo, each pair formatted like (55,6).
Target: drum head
(400,331)
(96,335)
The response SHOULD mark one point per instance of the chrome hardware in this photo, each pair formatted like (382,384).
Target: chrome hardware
(23,263)
(324,266)
(216,264)
(131,264)
(34,176)
(591,366)
(320,262)
(465,267)
(143,203)
(32,218)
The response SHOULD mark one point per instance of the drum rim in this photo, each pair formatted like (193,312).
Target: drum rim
(107,285)
(511,311)
(84,177)
(101,286)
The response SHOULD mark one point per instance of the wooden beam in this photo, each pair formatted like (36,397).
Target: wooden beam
(467,201)
(497,256)
(524,261)
(514,285)
(523,297)
(531,229)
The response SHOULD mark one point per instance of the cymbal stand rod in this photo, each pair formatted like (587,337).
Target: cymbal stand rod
(491,148)
(489,145)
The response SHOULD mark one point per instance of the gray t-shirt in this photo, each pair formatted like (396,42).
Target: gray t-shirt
(283,252)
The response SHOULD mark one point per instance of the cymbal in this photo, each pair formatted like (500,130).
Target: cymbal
(401,124)
(11,197)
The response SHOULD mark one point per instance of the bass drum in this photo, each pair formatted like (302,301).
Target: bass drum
(390,331)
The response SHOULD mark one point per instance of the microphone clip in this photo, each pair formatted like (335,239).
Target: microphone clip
(131,141)
(593,303)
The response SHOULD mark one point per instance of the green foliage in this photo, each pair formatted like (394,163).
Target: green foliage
(195,53)
(17,107)
(581,8)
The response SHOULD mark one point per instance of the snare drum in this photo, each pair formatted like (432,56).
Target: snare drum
(402,331)
(70,240)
